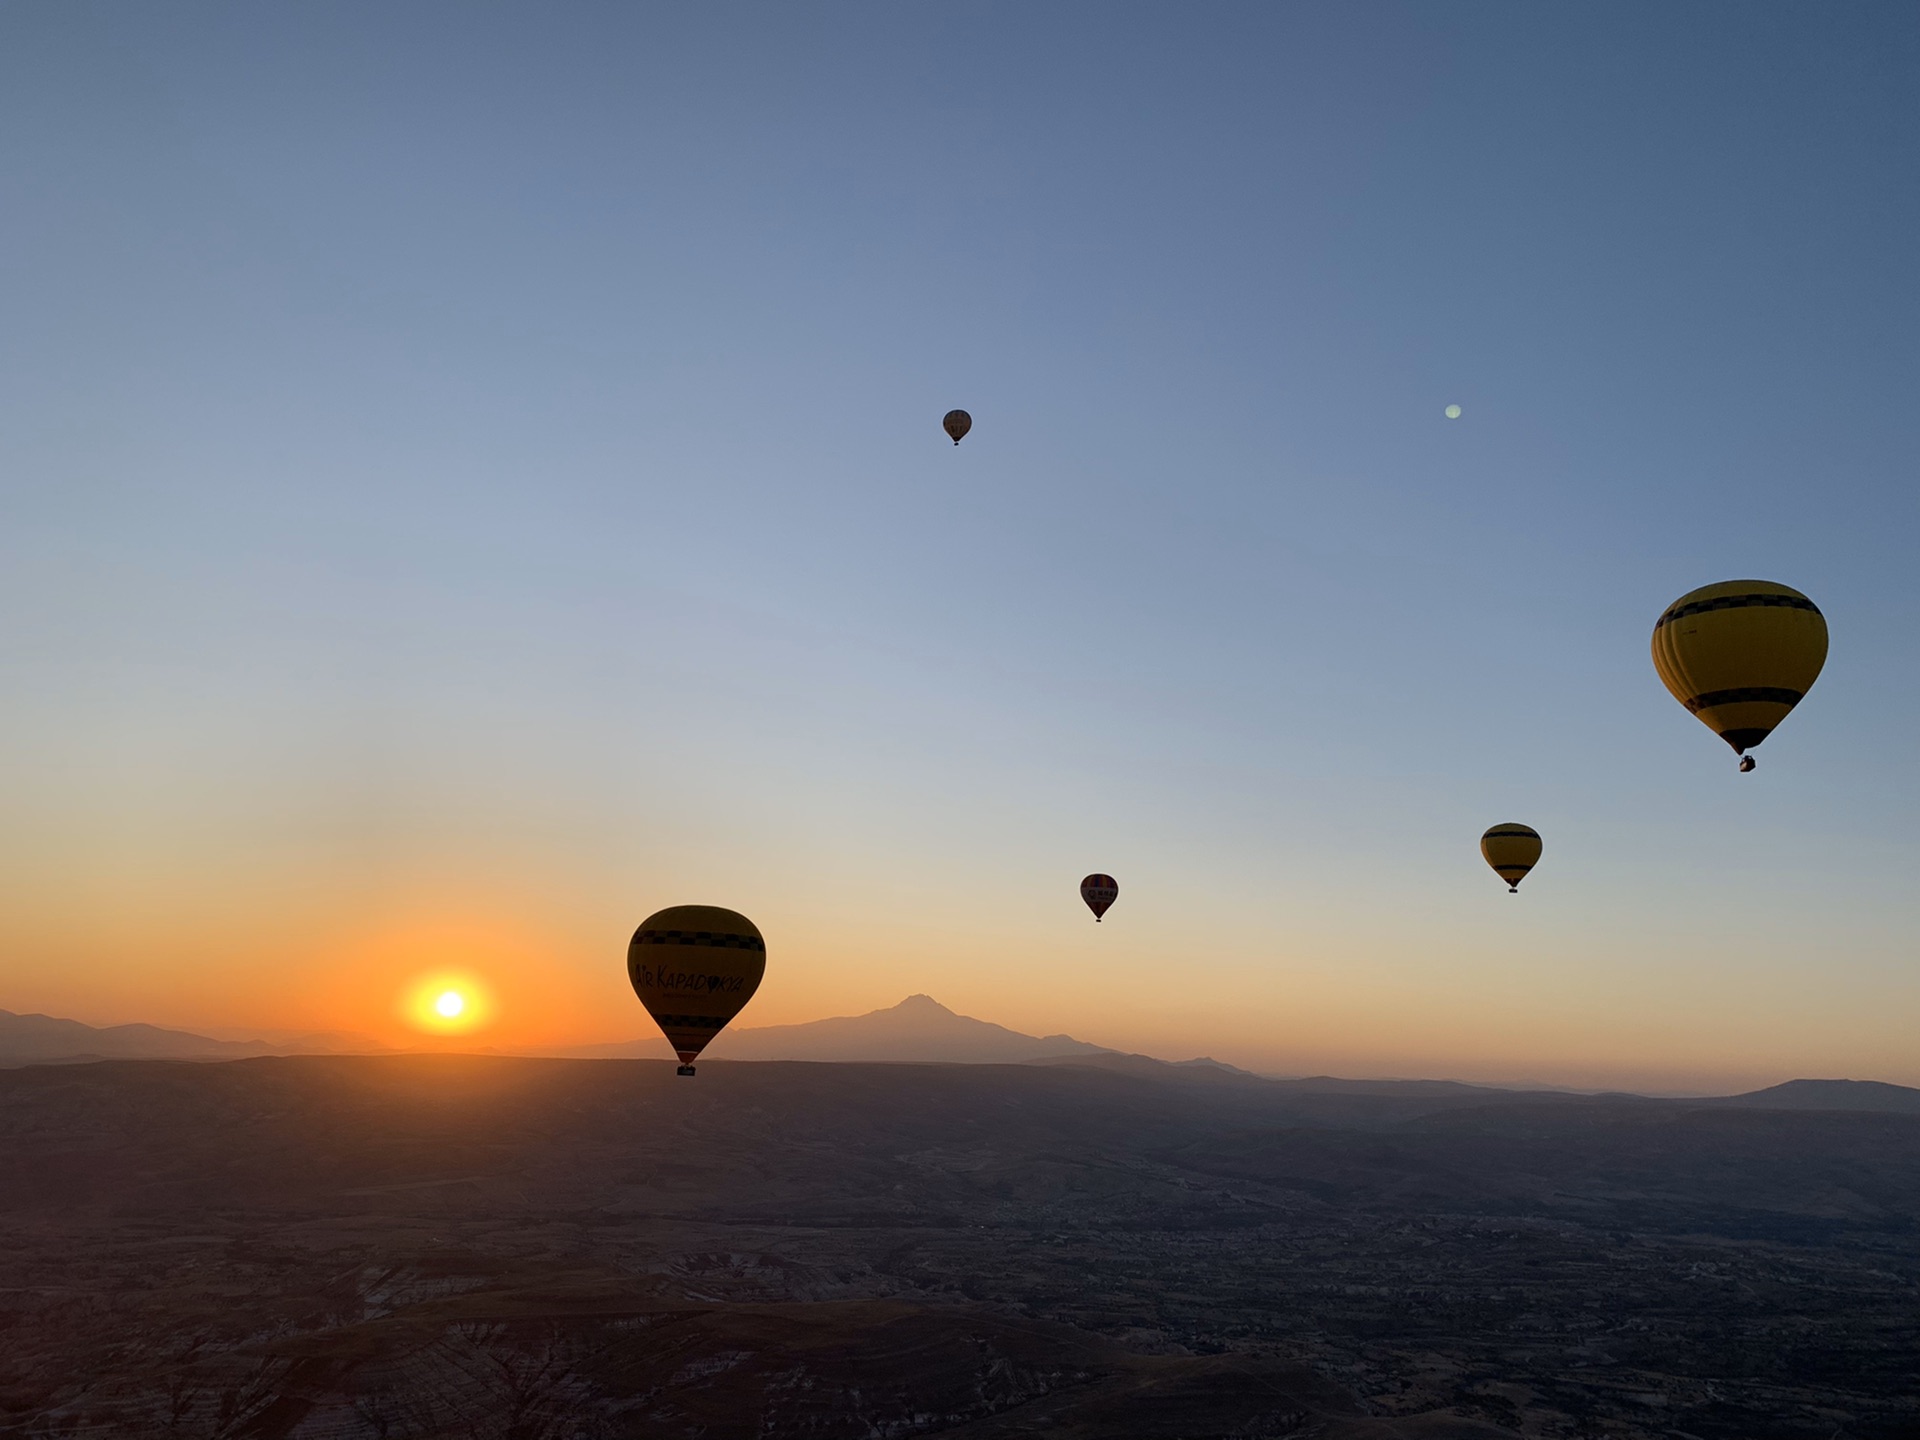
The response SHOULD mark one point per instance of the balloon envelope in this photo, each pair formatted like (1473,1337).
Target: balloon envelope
(1512,850)
(956,423)
(1099,891)
(695,967)
(1739,655)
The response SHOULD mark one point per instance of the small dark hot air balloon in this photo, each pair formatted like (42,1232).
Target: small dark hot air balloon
(1739,655)
(1512,850)
(695,967)
(956,423)
(1099,891)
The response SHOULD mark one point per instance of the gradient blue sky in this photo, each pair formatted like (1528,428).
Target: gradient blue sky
(471,476)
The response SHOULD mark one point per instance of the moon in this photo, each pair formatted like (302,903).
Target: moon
(1453,412)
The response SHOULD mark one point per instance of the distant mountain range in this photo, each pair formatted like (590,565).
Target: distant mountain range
(45,1040)
(918,1029)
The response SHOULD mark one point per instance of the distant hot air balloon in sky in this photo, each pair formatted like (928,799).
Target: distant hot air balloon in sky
(957,423)
(695,967)
(1512,850)
(1099,891)
(1739,655)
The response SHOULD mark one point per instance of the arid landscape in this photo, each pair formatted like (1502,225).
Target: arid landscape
(410,1247)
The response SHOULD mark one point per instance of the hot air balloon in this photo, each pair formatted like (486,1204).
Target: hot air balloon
(695,967)
(1740,655)
(956,423)
(1512,850)
(1099,891)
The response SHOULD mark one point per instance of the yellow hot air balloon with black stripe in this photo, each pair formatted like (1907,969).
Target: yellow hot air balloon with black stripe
(1512,850)
(1739,655)
(695,967)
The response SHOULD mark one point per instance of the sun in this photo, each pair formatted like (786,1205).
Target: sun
(447,1002)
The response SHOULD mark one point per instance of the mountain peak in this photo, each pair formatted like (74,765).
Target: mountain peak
(918,1028)
(918,1005)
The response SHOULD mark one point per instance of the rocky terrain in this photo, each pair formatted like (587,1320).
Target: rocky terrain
(506,1249)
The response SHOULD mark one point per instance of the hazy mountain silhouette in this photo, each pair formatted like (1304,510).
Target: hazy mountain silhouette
(1830,1095)
(1199,1071)
(1859,1095)
(47,1040)
(919,1028)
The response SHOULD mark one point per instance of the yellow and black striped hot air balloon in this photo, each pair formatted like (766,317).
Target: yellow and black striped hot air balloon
(956,423)
(1512,850)
(1739,655)
(695,967)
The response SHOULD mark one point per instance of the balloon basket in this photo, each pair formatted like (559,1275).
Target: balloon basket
(684,1070)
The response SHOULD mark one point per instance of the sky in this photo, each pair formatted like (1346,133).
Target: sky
(471,476)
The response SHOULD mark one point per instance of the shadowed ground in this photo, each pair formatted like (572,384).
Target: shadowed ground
(418,1247)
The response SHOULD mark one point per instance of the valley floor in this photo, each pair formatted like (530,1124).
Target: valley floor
(418,1248)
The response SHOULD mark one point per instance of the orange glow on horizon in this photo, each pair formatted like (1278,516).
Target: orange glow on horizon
(386,979)
(447,1002)
(536,970)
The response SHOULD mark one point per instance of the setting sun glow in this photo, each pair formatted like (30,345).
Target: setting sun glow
(446,1003)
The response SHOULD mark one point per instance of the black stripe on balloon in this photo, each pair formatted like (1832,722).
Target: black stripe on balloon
(1511,835)
(1746,695)
(1736,602)
(691,1022)
(718,939)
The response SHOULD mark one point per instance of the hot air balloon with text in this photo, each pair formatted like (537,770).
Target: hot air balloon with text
(1512,850)
(1740,655)
(956,423)
(1099,891)
(695,967)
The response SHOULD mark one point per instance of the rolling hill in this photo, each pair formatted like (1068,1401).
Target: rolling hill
(48,1040)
